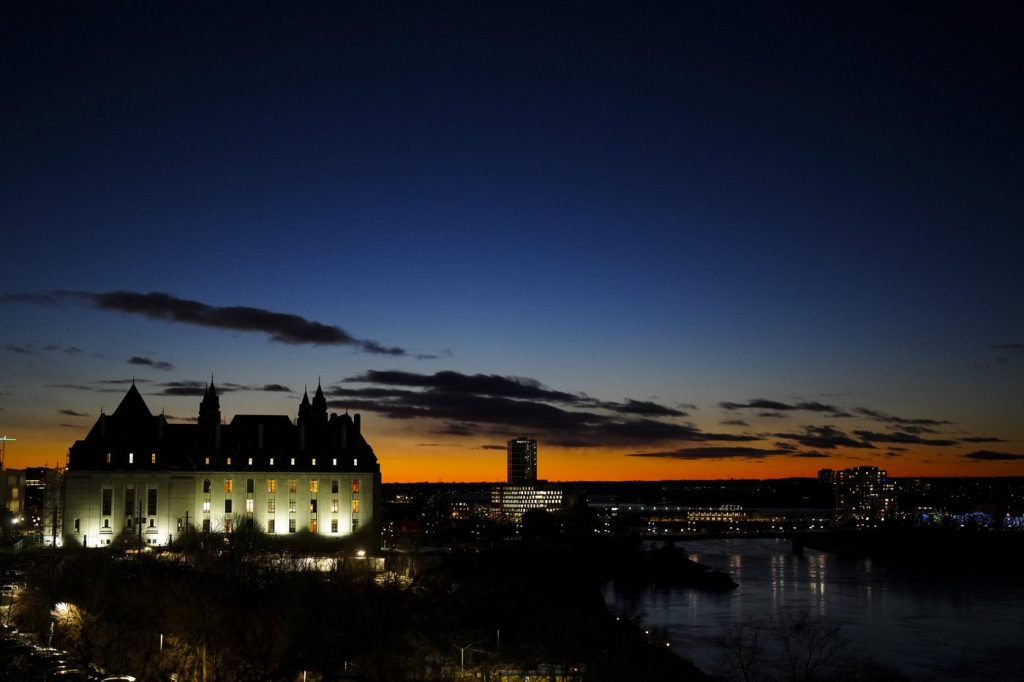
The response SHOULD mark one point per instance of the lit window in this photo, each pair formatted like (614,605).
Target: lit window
(334,506)
(206,506)
(293,461)
(250,461)
(291,525)
(229,461)
(312,526)
(355,462)
(271,506)
(292,486)
(131,458)
(270,525)
(334,462)
(334,525)
(271,486)
(291,506)
(108,458)
(314,461)
(355,485)
(249,506)
(355,506)
(206,461)
(229,485)
(314,486)
(271,461)
(152,458)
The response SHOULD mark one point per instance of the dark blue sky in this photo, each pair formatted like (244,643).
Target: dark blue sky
(685,203)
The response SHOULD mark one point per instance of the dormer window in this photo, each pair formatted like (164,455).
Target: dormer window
(131,458)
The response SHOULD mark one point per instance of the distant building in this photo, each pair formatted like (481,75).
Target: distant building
(138,477)
(864,493)
(12,493)
(522,461)
(523,492)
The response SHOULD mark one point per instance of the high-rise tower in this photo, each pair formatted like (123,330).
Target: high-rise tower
(522,461)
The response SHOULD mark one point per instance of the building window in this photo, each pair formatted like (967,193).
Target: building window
(151,502)
(152,458)
(312,526)
(206,525)
(271,506)
(206,461)
(312,506)
(108,496)
(334,525)
(152,523)
(227,525)
(334,506)
(129,501)
(314,486)
(206,506)
(292,486)
(355,462)
(206,485)
(229,486)
(181,524)
(292,461)
(76,525)
(334,462)
(250,461)
(271,486)
(249,505)
(270,525)
(106,523)
(355,486)
(334,487)
(229,461)
(271,461)
(131,458)
(355,506)
(250,485)
(128,523)
(291,525)
(108,458)
(291,506)
(355,525)
(314,461)
(227,506)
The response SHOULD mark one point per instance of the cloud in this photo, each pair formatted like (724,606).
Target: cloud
(494,447)
(495,404)
(72,413)
(891,419)
(811,454)
(281,327)
(275,388)
(713,453)
(824,437)
(26,349)
(734,422)
(1010,346)
(149,362)
(775,406)
(982,439)
(903,438)
(989,455)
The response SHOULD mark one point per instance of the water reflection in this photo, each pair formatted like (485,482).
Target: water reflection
(931,628)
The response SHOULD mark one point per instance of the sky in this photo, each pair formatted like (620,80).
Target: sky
(668,240)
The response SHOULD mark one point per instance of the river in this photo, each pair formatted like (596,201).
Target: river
(930,627)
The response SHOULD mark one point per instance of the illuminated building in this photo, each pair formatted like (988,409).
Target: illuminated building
(522,461)
(864,493)
(137,477)
(522,493)
(12,492)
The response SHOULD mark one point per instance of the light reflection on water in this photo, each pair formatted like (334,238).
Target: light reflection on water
(930,627)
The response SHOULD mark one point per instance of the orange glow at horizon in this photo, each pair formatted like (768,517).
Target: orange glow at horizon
(403,459)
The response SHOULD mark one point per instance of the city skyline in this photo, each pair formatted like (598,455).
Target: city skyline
(668,242)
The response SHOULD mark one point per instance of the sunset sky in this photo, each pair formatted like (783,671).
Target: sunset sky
(669,240)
